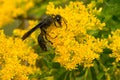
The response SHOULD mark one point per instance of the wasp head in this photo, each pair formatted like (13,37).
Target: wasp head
(57,18)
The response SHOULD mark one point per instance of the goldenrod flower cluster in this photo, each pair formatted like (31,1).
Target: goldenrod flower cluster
(73,45)
(17,60)
(114,45)
(11,9)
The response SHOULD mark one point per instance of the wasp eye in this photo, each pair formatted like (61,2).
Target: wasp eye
(58,17)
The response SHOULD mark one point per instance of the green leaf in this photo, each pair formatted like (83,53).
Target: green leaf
(100,76)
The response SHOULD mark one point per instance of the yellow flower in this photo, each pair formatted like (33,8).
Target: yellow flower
(73,45)
(114,45)
(11,9)
(17,60)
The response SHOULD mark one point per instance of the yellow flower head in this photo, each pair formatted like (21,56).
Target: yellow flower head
(73,45)
(11,9)
(114,45)
(17,60)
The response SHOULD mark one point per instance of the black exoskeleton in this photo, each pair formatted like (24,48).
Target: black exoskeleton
(43,25)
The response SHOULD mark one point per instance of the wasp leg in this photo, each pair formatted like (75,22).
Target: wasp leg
(46,36)
(55,24)
(42,42)
(64,20)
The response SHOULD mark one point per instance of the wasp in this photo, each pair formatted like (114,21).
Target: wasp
(43,25)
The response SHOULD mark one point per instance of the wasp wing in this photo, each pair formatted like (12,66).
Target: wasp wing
(46,21)
(31,31)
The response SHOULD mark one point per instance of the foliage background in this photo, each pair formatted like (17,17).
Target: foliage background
(106,68)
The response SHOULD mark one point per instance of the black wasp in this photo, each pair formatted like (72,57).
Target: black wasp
(43,25)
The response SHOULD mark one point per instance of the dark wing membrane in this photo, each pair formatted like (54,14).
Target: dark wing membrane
(31,31)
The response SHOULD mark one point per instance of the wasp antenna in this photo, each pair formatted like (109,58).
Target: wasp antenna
(65,21)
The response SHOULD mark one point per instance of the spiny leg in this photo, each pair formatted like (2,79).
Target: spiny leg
(43,31)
